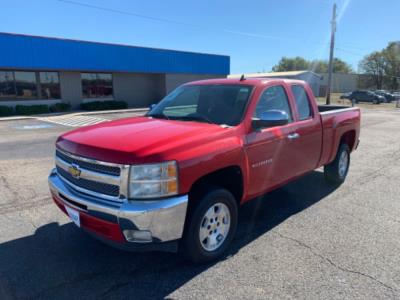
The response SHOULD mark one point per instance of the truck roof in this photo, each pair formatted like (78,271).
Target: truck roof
(247,81)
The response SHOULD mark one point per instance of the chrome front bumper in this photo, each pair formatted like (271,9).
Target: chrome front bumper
(163,218)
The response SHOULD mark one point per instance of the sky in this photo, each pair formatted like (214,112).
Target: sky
(255,34)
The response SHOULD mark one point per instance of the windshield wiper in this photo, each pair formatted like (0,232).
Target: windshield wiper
(158,116)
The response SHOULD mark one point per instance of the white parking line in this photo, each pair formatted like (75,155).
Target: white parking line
(73,121)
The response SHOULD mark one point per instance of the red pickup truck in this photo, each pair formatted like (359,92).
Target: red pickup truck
(176,177)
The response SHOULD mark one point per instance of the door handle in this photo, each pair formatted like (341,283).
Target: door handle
(293,136)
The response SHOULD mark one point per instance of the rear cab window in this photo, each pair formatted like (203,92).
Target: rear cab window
(302,101)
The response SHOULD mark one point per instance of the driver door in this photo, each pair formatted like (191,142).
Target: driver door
(268,148)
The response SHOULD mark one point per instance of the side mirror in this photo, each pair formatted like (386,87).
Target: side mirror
(152,106)
(271,118)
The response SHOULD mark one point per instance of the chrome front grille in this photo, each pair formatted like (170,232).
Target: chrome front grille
(87,176)
(116,171)
(98,187)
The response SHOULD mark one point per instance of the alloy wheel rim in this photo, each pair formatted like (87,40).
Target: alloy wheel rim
(343,163)
(214,227)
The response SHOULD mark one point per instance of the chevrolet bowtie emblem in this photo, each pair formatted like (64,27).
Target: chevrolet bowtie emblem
(74,171)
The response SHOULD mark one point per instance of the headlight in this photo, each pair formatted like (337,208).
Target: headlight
(153,180)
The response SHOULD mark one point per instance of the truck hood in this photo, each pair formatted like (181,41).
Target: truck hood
(139,140)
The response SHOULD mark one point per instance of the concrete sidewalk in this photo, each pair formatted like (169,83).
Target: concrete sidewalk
(77,113)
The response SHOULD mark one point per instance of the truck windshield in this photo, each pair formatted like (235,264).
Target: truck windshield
(217,104)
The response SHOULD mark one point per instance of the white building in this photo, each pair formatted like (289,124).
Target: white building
(313,79)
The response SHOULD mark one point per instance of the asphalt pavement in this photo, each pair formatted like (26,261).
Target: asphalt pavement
(307,240)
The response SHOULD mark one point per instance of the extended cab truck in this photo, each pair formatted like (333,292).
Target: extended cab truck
(178,175)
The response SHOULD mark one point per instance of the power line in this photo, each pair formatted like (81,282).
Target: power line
(175,22)
(349,52)
(134,14)
(164,20)
(198,26)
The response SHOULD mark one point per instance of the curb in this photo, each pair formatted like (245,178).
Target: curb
(80,113)
(16,118)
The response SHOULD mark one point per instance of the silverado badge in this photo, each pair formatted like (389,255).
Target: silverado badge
(74,171)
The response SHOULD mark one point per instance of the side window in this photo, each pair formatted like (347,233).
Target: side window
(273,98)
(302,101)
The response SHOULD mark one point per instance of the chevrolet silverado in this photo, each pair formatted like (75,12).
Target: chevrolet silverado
(176,177)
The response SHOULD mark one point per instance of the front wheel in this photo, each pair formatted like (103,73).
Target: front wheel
(211,226)
(337,170)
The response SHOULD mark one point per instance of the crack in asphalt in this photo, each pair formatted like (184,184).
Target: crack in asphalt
(389,164)
(332,263)
(361,220)
(29,220)
(7,186)
(18,206)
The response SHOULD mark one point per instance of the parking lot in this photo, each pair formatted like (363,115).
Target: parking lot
(307,240)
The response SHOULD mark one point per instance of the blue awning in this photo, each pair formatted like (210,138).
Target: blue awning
(32,52)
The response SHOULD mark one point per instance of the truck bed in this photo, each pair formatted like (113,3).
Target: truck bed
(329,108)
(337,120)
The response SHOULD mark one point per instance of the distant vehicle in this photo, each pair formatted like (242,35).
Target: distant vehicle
(388,96)
(366,96)
(396,95)
(345,95)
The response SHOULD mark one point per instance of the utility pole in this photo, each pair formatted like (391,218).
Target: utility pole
(330,68)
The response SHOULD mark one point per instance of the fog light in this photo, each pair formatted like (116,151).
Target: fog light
(138,236)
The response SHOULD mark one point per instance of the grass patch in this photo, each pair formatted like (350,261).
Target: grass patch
(31,109)
(6,111)
(60,107)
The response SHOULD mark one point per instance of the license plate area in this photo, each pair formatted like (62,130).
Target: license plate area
(73,215)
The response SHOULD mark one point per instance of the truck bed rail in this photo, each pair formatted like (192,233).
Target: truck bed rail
(324,109)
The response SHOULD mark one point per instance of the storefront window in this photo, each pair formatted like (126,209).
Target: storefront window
(104,85)
(26,85)
(50,85)
(7,87)
(97,85)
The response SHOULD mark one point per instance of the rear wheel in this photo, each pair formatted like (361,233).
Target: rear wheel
(337,170)
(211,226)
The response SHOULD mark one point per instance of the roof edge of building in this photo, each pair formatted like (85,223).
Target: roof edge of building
(106,43)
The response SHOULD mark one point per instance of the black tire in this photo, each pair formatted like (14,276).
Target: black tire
(191,245)
(332,171)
